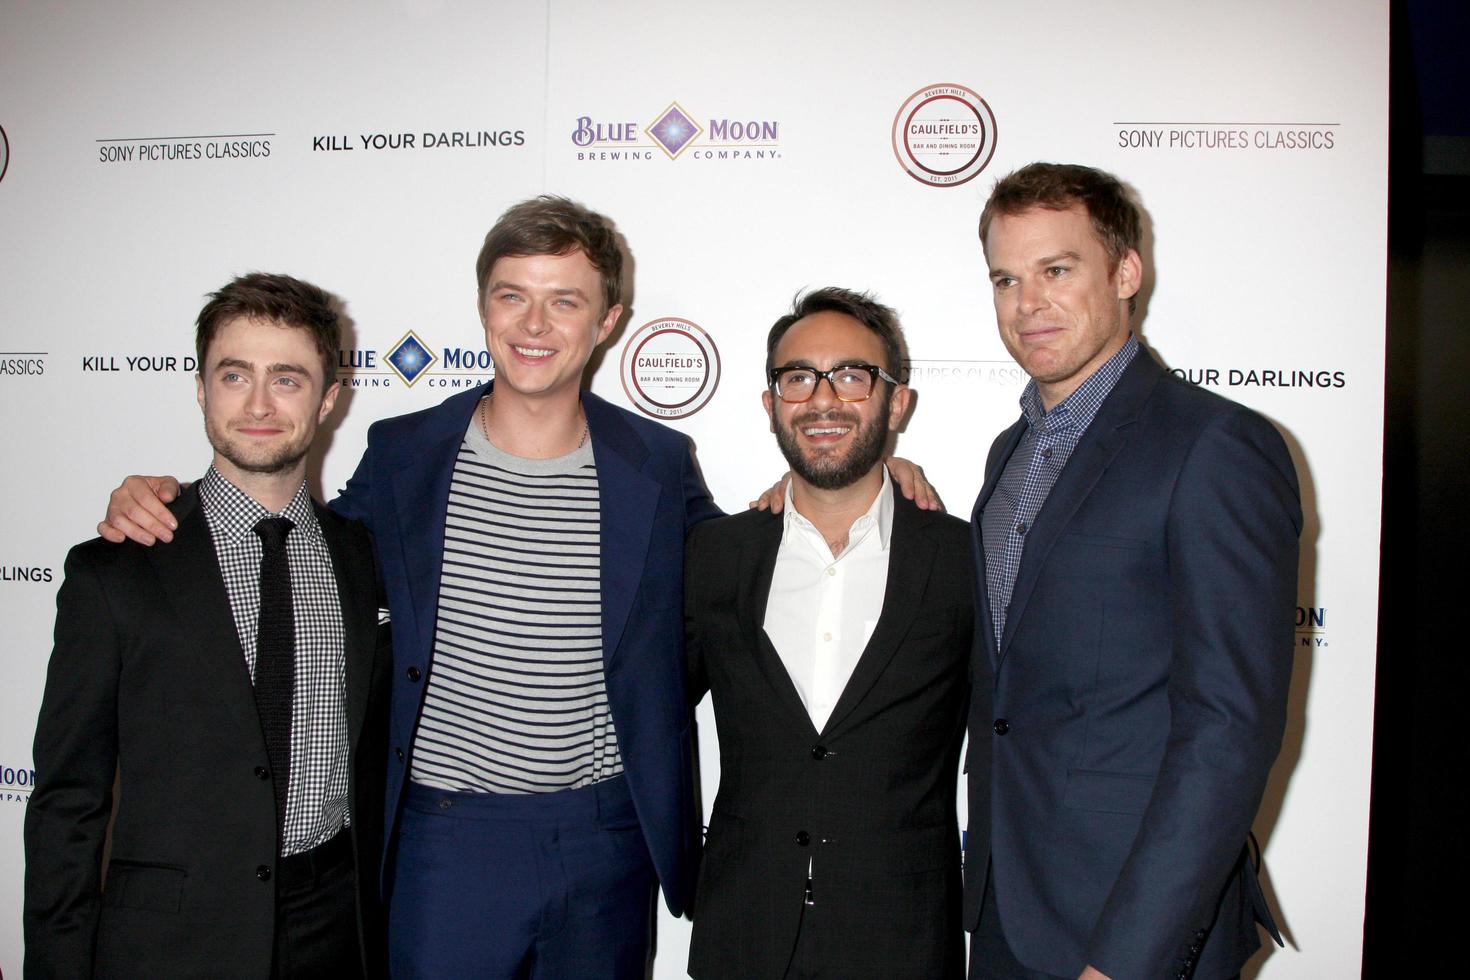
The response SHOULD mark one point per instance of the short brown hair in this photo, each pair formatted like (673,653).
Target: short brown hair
(862,307)
(279,299)
(1061,187)
(550,225)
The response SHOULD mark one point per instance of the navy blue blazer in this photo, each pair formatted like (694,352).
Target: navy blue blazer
(1137,698)
(651,493)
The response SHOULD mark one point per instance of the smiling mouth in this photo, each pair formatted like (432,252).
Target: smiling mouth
(818,431)
(532,352)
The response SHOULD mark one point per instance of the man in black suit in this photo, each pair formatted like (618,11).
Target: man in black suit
(1137,547)
(231,686)
(833,639)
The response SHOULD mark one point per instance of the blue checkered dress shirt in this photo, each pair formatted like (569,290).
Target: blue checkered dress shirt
(1032,471)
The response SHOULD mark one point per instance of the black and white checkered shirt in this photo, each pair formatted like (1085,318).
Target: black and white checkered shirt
(316,800)
(1032,471)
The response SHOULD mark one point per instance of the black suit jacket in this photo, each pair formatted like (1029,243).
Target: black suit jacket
(1139,688)
(870,799)
(148,691)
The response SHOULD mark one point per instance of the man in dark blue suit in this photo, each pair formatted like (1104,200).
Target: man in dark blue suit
(1136,541)
(531,539)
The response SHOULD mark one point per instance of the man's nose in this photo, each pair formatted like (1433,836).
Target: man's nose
(822,396)
(259,403)
(535,320)
(1032,296)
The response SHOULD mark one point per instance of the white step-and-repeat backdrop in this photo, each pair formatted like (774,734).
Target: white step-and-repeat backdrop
(153,150)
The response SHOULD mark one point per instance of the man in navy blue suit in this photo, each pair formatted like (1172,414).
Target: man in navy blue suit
(1136,547)
(531,537)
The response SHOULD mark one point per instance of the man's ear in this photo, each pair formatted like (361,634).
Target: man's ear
(1130,275)
(609,320)
(770,406)
(329,401)
(898,406)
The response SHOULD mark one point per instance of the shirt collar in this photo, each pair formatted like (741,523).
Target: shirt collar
(1078,408)
(880,511)
(233,513)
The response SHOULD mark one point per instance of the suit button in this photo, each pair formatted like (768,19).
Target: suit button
(399,753)
(819,752)
(261,772)
(1001,726)
(263,873)
(414,673)
(1201,935)
(803,838)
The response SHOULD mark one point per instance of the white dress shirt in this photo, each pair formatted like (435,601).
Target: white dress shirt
(822,609)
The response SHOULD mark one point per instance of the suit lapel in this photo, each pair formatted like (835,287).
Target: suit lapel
(421,496)
(910,561)
(985,624)
(359,616)
(188,570)
(1095,451)
(756,566)
(627,503)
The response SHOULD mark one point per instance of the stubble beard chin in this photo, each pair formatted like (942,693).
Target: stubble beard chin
(829,471)
(279,460)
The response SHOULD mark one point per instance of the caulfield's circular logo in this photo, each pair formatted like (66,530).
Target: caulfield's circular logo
(4,153)
(670,368)
(944,135)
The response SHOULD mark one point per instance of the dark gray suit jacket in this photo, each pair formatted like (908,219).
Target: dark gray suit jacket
(870,799)
(147,685)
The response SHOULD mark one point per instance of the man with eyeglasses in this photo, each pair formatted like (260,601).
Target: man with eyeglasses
(833,639)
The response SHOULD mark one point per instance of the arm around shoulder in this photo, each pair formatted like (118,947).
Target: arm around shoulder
(138,511)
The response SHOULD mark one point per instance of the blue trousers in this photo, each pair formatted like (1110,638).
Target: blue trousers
(552,886)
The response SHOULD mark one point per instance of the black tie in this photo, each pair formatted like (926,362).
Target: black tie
(275,655)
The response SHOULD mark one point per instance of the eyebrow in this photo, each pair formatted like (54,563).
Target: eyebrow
(500,284)
(280,367)
(804,362)
(1040,263)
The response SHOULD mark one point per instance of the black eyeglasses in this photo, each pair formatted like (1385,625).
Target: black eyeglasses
(850,382)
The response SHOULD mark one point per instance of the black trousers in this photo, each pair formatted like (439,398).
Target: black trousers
(316,914)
